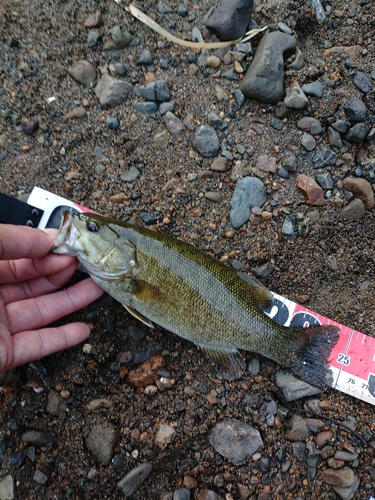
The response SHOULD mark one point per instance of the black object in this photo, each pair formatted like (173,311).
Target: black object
(13,211)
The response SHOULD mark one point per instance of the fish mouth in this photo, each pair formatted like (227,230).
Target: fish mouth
(65,237)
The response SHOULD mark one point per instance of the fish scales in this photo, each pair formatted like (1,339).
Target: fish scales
(164,280)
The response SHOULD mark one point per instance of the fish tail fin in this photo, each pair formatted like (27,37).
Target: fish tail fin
(309,361)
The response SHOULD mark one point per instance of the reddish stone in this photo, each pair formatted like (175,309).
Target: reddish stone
(312,191)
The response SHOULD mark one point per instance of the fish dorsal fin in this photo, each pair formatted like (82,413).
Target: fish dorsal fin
(262,296)
(139,316)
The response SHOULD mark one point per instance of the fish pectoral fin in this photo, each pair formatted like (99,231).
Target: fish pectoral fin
(144,291)
(262,295)
(229,359)
(138,315)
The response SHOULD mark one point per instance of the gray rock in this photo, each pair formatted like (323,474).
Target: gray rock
(235,440)
(284,28)
(253,367)
(118,38)
(40,477)
(182,10)
(164,8)
(264,270)
(112,122)
(354,211)
(38,438)
(214,119)
(316,128)
(239,98)
(102,441)
(231,75)
(130,175)
(287,227)
(145,58)
(341,126)
(249,193)
(230,20)
(7,488)
(276,123)
(313,88)
(213,196)
(358,133)
(323,158)
(181,494)
(290,162)
(220,164)
(92,38)
(362,82)
(325,180)
(206,141)
(112,91)
(165,107)
(349,492)
(155,91)
(308,141)
(173,123)
(146,108)
(196,36)
(334,138)
(298,61)
(307,122)
(294,388)
(83,72)
(355,110)
(134,479)
(264,80)
(296,99)
(299,429)
(342,477)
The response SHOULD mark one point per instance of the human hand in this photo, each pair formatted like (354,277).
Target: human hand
(29,278)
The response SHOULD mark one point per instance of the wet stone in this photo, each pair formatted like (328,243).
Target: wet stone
(235,440)
(208,495)
(134,479)
(281,111)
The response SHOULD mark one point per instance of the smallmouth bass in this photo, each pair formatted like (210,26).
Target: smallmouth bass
(163,280)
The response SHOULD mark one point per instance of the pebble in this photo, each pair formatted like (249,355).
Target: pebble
(349,492)
(264,270)
(174,125)
(79,112)
(7,488)
(346,456)
(312,191)
(213,196)
(40,477)
(155,91)
(267,163)
(92,38)
(209,495)
(307,122)
(284,28)
(117,38)
(220,164)
(181,494)
(145,58)
(102,441)
(229,21)
(341,126)
(83,72)
(206,141)
(134,479)
(276,123)
(323,438)
(314,89)
(323,157)
(112,122)
(146,108)
(30,127)
(362,189)
(287,227)
(296,99)
(281,111)
(112,91)
(308,141)
(239,98)
(164,436)
(334,138)
(249,193)
(93,20)
(355,110)
(264,80)
(38,438)
(165,107)
(355,210)
(316,128)
(130,175)
(290,162)
(357,133)
(235,440)
(56,406)
(362,82)
(343,477)
(298,61)
(299,429)
(146,374)
(293,388)
(325,180)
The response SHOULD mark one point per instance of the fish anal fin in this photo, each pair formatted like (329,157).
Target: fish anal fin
(261,294)
(139,316)
(231,361)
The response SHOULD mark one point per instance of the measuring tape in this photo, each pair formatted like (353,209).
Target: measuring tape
(352,360)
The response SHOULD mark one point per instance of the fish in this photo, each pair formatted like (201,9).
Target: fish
(164,280)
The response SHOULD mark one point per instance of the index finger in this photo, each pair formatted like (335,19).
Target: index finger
(18,242)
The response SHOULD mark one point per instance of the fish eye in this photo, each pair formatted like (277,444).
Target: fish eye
(92,226)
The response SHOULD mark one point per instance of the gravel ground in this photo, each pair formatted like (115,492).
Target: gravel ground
(100,425)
